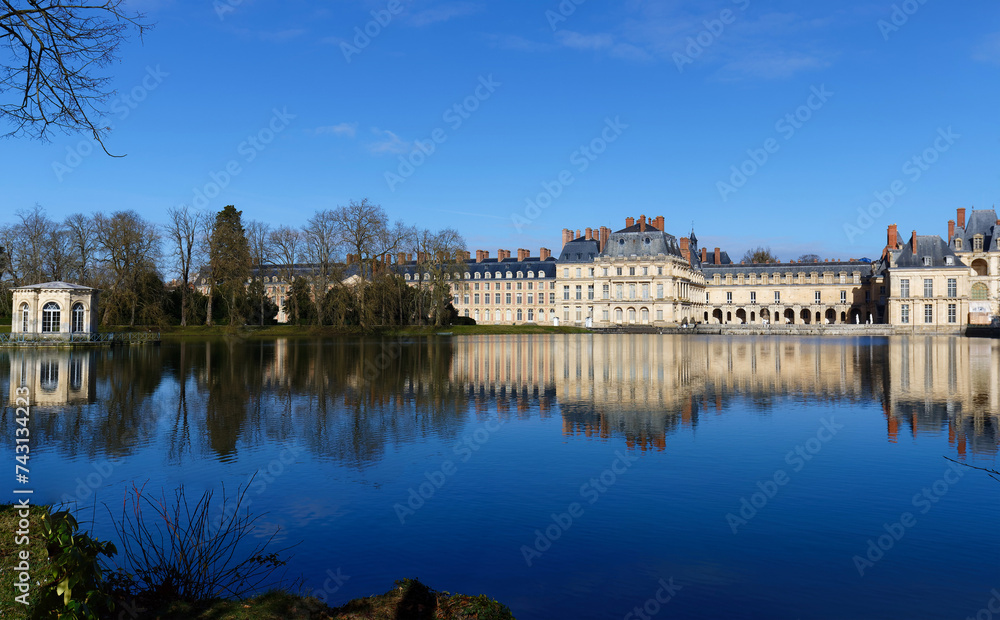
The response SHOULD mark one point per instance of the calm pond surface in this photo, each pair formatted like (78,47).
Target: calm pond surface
(568,476)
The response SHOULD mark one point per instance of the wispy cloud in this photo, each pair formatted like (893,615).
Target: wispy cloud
(988,50)
(444,13)
(754,44)
(343,129)
(389,143)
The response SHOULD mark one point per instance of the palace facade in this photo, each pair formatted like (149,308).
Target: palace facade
(641,275)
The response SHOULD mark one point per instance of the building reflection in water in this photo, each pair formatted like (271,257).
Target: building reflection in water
(53,377)
(350,400)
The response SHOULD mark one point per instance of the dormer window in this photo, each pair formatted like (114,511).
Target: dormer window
(927,261)
(531,274)
(509,275)
(958,243)
(498,276)
(520,274)
(407,276)
(477,275)
(487,275)
(977,243)
(949,260)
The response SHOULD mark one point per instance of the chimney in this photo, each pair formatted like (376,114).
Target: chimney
(440,256)
(567,236)
(718,256)
(577,234)
(642,223)
(629,222)
(544,253)
(500,255)
(605,232)
(704,255)
(420,257)
(913,242)
(401,258)
(951,230)
(658,222)
(961,219)
(686,248)
(522,254)
(892,237)
(589,234)
(350,259)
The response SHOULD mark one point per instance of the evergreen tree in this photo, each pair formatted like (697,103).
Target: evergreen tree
(229,256)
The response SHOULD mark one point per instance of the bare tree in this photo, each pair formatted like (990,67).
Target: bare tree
(129,248)
(182,235)
(365,232)
(80,231)
(34,235)
(438,258)
(760,254)
(261,253)
(322,246)
(286,242)
(54,52)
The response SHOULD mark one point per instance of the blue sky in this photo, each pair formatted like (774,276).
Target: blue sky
(495,103)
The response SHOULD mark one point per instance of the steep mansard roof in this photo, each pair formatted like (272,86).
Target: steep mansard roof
(631,241)
(981,222)
(580,250)
(932,252)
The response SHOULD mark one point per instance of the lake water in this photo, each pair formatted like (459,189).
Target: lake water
(568,476)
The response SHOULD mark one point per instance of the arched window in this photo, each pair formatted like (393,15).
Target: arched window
(77,317)
(468,275)
(618,315)
(487,275)
(486,315)
(498,275)
(25,314)
(510,275)
(519,315)
(508,315)
(520,274)
(979,292)
(531,274)
(477,275)
(51,317)
(407,276)
(476,315)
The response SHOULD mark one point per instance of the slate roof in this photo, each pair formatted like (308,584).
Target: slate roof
(541,268)
(769,268)
(54,286)
(629,242)
(579,250)
(980,222)
(928,246)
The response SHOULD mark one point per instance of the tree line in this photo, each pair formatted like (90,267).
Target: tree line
(334,270)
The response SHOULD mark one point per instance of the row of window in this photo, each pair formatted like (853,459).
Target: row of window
(476,276)
(786,278)
(817,297)
(519,297)
(621,271)
(508,315)
(904,313)
(507,285)
(52,318)
(904,287)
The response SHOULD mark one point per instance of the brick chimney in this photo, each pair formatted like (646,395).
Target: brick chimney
(718,256)
(522,254)
(401,258)
(704,255)
(440,256)
(686,248)
(892,237)
(421,257)
(658,222)
(961,218)
(642,223)
(544,253)
(567,236)
(629,222)
(913,242)
(589,234)
(350,259)
(578,235)
(951,230)
(605,232)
